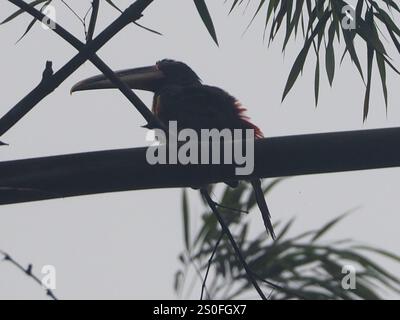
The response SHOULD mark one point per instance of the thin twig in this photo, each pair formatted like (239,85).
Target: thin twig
(198,272)
(93,20)
(72,10)
(270,294)
(147,28)
(209,264)
(136,23)
(28,272)
(277,287)
(226,230)
(231,209)
(84,21)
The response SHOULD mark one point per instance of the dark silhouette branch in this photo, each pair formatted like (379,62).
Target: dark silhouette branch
(203,286)
(28,272)
(132,13)
(128,169)
(138,24)
(236,248)
(93,20)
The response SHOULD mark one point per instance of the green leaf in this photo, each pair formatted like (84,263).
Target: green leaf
(19,12)
(380,252)
(235,2)
(34,20)
(349,40)
(284,230)
(296,69)
(31,24)
(179,276)
(382,72)
(277,21)
(329,226)
(330,55)
(316,81)
(206,17)
(298,268)
(371,38)
(348,36)
(255,14)
(301,58)
(370,58)
(273,4)
(251,200)
(294,22)
(111,3)
(392,4)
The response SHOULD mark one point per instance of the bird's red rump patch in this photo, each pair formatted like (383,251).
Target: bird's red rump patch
(246,120)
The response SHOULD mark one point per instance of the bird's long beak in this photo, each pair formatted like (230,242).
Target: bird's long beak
(145,78)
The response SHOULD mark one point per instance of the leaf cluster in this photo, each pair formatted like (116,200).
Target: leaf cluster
(303,266)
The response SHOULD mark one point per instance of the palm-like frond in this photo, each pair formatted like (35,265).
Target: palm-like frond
(299,267)
(323,24)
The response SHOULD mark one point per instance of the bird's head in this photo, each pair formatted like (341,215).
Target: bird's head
(164,73)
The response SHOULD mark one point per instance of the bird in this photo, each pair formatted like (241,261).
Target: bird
(181,96)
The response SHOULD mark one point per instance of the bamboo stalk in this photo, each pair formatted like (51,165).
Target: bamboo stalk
(128,169)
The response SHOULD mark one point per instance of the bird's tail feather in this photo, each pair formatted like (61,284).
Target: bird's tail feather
(262,204)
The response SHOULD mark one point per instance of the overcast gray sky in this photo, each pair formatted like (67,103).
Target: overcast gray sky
(125,245)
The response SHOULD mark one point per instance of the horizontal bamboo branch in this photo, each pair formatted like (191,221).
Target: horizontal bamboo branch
(123,170)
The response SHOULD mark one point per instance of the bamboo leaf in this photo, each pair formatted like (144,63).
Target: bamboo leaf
(330,55)
(19,12)
(178,281)
(316,81)
(382,72)
(111,3)
(380,252)
(235,2)
(370,57)
(301,58)
(206,17)
(31,24)
(251,200)
(329,226)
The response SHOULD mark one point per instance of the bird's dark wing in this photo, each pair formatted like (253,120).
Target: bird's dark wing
(201,107)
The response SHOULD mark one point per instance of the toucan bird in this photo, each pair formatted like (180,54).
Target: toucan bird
(180,95)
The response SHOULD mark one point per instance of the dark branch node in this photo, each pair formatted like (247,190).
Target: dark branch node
(48,71)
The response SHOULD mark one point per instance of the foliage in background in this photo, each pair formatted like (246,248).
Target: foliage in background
(320,24)
(301,267)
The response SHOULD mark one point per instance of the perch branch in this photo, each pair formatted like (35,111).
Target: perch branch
(128,169)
